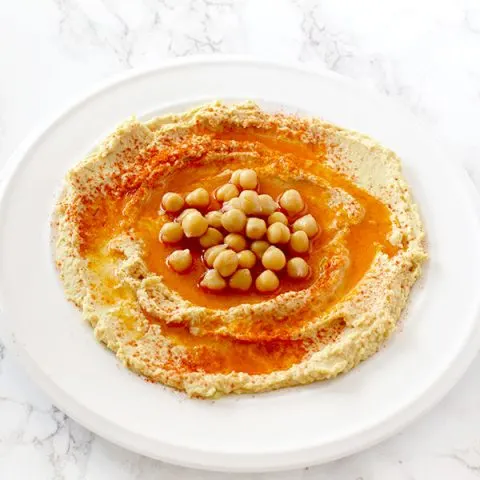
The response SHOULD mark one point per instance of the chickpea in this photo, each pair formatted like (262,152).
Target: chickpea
(194,225)
(226,263)
(172,202)
(256,228)
(212,280)
(278,233)
(297,268)
(299,242)
(250,202)
(231,204)
(307,224)
(199,198)
(180,260)
(267,204)
(186,212)
(235,178)
(236,242)
(274,259)
(292,201)
(259,247)
(234,220)
(212,253)
(246,259)
(248,179)
(226,192)
(267,281)
(214,218)
(277,217)
(241,280)
(211,238)
(171,232)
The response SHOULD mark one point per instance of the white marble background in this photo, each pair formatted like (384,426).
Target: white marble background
(424,53)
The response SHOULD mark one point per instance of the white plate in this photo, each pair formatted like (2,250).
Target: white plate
(279,430)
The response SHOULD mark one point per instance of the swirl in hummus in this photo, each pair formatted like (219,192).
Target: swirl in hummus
(163,326)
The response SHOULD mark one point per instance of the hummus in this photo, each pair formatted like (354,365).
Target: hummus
(163,326)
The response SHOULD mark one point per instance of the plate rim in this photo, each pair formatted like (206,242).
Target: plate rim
(378,432)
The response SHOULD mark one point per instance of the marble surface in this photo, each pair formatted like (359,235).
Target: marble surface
(424,53)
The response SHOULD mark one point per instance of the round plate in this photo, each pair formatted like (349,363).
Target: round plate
(279,430)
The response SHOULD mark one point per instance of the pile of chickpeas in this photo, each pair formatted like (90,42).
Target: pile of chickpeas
(248,229)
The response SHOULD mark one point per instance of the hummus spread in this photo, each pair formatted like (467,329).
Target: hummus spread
(163,324)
